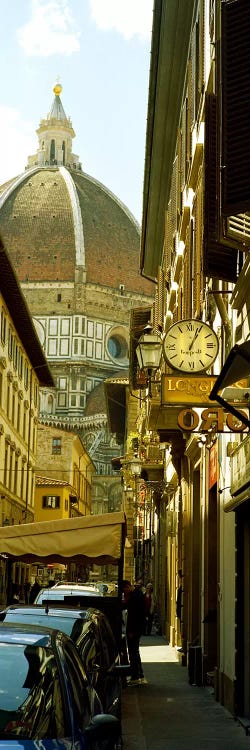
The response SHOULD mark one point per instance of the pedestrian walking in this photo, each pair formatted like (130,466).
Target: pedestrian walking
(134,605)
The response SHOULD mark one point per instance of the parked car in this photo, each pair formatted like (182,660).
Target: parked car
(44,694)
(72,584)
(62,590)
(93,637)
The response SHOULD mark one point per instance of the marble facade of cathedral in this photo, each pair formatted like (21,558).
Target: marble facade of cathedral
(75,249)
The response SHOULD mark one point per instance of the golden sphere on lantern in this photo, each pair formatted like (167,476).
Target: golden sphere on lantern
(57,89)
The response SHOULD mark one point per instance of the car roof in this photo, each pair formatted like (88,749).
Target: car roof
(73,585)
(15,632)
(60,611)
(57,591)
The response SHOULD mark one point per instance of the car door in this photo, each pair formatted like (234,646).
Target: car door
(109,658)
(89,647)
(89,732)
(78,694)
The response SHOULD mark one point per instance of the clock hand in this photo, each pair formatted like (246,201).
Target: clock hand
(194,338)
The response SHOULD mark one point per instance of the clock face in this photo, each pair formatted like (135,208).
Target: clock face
(190,346)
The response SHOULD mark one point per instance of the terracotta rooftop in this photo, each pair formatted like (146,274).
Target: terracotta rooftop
(48,482)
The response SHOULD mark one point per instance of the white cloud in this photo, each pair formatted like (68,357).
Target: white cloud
(50,31)
(16,144)
(128,17)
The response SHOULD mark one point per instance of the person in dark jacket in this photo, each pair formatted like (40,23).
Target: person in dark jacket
(135,607)
(34,591)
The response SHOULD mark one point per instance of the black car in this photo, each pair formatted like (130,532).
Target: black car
(90,630)
(44,694)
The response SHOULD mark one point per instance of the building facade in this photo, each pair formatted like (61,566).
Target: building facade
(23,369)
(62,457)
(195,246)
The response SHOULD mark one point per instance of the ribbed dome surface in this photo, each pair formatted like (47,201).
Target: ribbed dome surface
(39,227)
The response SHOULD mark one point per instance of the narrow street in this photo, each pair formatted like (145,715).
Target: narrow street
(170,714)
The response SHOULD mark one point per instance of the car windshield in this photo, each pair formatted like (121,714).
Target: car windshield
(30,694)
(72,626)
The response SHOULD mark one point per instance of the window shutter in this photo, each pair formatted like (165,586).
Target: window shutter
(189,120)
(235,46)
(202,48)
(161,298)
(197,212)
(174,197)
(179,194)
(219,260)
(184,145)
(168,245)
(192,81)
(186,280)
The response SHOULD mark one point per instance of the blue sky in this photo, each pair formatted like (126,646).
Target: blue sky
(100,52)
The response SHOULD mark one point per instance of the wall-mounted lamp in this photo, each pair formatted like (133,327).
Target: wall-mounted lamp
(135,466)
(132,465)
(149,352)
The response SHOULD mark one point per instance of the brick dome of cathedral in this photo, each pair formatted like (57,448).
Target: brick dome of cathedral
(54,219)
(60,224)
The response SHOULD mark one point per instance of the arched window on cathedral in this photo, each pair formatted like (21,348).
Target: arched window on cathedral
(63,150)
(52,151)
(50,404)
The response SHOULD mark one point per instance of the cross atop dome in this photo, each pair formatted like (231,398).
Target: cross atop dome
(55,134)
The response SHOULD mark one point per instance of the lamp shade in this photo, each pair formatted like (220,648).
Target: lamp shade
(149,350)
(135,467)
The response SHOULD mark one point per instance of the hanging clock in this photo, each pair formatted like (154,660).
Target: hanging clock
(190,346)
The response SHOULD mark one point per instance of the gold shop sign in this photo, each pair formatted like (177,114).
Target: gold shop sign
(183,389)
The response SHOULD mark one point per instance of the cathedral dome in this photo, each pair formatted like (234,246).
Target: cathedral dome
(56,220)
(75,248)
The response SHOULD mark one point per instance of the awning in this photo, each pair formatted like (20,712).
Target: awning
(86,539)
(238,498)
(235,368)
